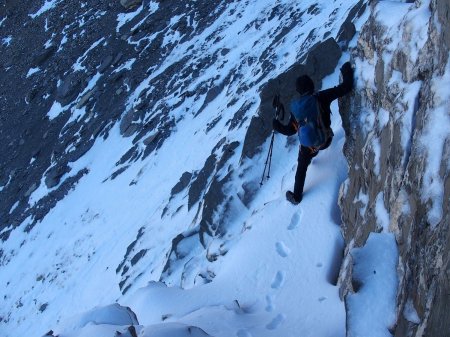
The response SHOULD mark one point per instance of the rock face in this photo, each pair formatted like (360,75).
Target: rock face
(86,99)
(130,3)
(399,157)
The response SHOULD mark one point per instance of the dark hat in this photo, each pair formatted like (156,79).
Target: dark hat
(304,85)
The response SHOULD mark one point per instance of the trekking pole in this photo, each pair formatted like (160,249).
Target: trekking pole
(279,110)
(271,152)
(268,160)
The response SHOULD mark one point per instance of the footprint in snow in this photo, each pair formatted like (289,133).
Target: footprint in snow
(278,280)
(269,306)
(243,333)
(295,221)
(282,249)
(276,322)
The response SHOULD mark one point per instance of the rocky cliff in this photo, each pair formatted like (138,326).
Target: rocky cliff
(398,154)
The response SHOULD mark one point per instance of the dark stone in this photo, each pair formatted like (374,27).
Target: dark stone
(118,172)
(128,127)
(443,10)
(213,123)
(43,56)
(85,98)
(348,30)
(68,89)
(43,307)
(210,96)
(132,331)
(128,4)
(239,117)
(151,139)
(131,155)
(53,176)
(138,256)
(227,152)
(31,189)
(200,181)
(182,183)
(107,61)
(130,249)
(213,199)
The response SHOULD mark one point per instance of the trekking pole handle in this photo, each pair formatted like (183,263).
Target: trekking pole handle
(279,108)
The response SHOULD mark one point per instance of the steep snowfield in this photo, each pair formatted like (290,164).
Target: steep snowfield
(273,272)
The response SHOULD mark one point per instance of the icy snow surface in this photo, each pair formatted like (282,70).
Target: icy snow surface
(48,5)
(371,310)
(435,138)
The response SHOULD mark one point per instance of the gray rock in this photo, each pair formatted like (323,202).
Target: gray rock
(68,89)
(150,139)
(182,184)
(128,4)
(31,189)
(424,246)
(197,187)
(107,61)
(128,126)
(53,176)
(348,30)
(41,57)
(85,98)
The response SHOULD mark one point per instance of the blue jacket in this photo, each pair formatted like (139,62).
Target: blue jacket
(305,111)
(300,112)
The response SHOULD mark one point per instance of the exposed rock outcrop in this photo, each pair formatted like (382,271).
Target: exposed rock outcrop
(130,3)
(399,156)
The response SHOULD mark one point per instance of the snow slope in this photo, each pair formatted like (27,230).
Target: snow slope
(273,271)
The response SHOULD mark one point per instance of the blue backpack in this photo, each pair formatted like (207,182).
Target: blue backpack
(312,131)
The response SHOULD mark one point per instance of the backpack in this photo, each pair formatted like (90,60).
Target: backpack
(308,113)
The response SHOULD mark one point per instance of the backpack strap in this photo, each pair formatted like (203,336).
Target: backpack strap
(323,129)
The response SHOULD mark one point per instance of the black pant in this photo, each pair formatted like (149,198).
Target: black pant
(305,155)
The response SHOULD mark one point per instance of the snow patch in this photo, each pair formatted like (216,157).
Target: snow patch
(383,218)
(123,18)
(48,5)
(371,310)
(434,138)
(410,313)
(33,71)
(383,118)
(55,110)
(77,66)
(6,41)
(364,199)
(16,204)
(127,65)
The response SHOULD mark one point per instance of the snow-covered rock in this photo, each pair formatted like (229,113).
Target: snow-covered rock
(397,149)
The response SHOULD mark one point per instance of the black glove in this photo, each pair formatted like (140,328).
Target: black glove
(347,70)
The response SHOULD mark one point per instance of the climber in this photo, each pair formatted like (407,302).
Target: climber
(310,118)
